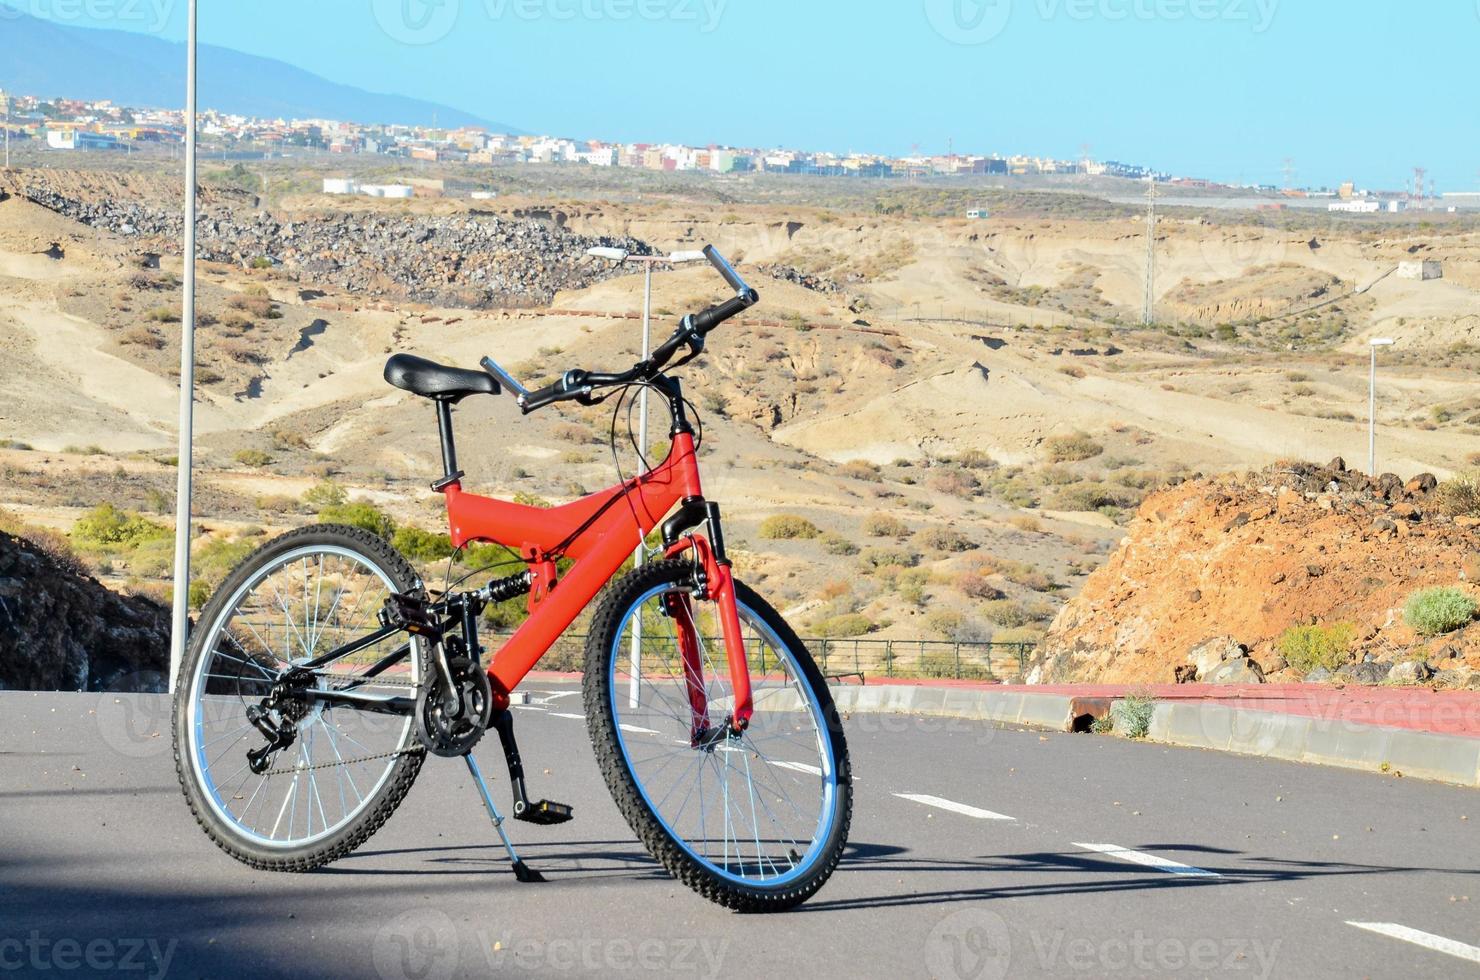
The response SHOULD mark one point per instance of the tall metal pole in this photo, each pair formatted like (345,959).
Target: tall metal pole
(634,689)
(1147,313)
(1372,415)
(181,623)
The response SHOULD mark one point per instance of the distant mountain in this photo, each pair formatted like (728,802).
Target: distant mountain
(49,60)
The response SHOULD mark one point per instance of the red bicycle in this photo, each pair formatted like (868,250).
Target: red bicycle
(323,671)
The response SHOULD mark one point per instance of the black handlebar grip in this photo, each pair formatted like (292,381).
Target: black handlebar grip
(715,315)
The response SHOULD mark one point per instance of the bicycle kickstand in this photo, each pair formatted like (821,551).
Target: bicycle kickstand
(522,871)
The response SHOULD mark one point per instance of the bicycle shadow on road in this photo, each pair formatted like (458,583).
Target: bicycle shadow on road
(560,860)
(1110,876)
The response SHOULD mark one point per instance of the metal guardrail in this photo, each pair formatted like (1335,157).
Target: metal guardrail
(947,659)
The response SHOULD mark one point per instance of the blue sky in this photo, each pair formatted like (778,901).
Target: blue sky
(1357,89)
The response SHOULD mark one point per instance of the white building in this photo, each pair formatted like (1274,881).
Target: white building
(1421,269)
(1355,207)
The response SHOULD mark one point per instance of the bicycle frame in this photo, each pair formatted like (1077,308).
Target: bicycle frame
(597,532)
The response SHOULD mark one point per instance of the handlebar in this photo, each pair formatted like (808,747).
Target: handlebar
(725,269)
(581,385)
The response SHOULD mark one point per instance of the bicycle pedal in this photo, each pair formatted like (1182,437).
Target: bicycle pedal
(412,614)
(545,813)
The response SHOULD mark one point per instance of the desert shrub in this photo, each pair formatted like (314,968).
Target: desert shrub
(289,439)
(1090,496)
(1131,715)
(163,314)
(199,593)
(836,544)
(976,586)
(848,624)
(241,351)
(861,469)
(1439,610)
(359,514)
(277,504)
(1307,647)
(325,493)
(252,457)
(1072,448)
(885,526)
(1021,573)
(571,432)
(212,560)
(1005,612)
(234,324)
(142,337)
(956,482)
(419,545)
(974,459)
(943,539)
(1460,495)
(785,527)
(107,526)
(946,622)
(884,557)
(526,499)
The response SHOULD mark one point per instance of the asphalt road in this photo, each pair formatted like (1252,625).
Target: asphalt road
(1011,854)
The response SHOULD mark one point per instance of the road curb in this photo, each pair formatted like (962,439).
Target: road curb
(1295,738)
(1052,711)
(1329,742)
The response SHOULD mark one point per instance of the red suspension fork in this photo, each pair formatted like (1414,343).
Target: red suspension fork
(721,587)
(681,608)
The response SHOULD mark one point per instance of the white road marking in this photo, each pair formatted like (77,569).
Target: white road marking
(562,714)
(637,730)
(1149,860)
(527,707)
(552,695)
(1427,940)
(797,767)
(953,806)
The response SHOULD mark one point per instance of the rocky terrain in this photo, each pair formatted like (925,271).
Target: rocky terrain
(476,260)
(1214,571)
(60,630)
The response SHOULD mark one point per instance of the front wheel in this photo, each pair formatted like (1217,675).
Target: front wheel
(755,821)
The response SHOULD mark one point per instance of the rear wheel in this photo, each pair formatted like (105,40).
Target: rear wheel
(296,598)
(757,821)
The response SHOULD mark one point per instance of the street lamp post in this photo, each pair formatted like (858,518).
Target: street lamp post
(621,256)
(1373,345)
(180,625)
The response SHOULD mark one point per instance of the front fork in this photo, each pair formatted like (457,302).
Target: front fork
(717,583)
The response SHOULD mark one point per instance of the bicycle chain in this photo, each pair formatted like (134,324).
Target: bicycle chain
(364,681)
(343,762)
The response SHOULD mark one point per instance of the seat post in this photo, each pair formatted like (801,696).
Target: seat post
(450,473)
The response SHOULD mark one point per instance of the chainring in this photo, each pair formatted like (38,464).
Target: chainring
(452,735)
